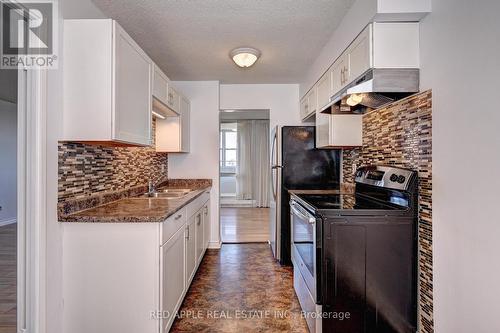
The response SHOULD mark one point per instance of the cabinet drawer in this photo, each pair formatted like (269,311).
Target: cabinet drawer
(172,224)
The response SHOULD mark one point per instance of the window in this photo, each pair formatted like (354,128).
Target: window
(228,147)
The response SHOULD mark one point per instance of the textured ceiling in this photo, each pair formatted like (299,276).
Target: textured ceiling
(191,39)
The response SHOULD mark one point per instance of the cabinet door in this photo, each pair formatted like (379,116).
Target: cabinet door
(132,91)
(185,124)
(338,74)
(312,102)
(346,130)
(173,99)
(172,281)
(324,90)
(206,224)
(190,249)
(160,85)
(322,129)
(360,55)
(199,234)
(303,108)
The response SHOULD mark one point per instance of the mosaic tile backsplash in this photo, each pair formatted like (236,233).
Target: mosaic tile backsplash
(86,170)
(401,135)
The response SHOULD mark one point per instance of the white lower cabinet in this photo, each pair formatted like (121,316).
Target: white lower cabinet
(131,277)
(200,246)
(206,224)
(172,282)
(191,258)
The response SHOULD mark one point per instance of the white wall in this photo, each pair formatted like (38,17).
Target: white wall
(55,90)
(203,159)
(8,159)
(282,100)
(460,63)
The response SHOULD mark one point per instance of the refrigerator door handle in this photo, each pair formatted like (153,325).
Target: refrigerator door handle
(274,167)
(274,179)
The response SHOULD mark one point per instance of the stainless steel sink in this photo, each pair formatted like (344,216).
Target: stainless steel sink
(169,193)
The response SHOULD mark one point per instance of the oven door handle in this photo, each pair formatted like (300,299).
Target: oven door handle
(295,211)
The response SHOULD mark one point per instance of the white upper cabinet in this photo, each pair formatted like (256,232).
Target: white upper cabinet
(160,85)
(173,101)
(324,89)
(309,104)
(340,72)
(107,84)
(379,45)
(396,45)
(173,133)
(303,108)
(345,131)
(359,54)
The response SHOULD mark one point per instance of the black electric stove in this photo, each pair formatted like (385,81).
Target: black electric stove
(345,202)
(357,253)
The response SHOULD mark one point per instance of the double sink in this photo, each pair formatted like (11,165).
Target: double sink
(169,193)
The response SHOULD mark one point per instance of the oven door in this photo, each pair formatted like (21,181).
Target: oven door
(304,246)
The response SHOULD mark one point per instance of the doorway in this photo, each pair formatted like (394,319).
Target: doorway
(244,173)
(8,200)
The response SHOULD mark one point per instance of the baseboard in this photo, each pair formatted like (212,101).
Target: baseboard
(7,222)
(214,245)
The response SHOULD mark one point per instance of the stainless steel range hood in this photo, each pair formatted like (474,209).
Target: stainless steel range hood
(374,89)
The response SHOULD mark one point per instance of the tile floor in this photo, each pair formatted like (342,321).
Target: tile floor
(236,281)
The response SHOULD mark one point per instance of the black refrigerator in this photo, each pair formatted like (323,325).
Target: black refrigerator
(296,165)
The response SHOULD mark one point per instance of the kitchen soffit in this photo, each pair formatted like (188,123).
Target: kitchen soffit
(190,40)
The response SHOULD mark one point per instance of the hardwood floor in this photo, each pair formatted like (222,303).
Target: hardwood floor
(244,225)
(241,288)
(8,273)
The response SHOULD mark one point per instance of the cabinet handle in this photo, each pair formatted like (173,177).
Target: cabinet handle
(177,217)
(187,236)
(206,211)
(198,219)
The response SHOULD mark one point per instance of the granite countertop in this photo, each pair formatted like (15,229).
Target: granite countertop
(132,208)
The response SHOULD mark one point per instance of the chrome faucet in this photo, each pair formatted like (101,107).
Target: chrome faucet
(153,183)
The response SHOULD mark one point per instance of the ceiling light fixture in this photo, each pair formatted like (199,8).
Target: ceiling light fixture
(244,56)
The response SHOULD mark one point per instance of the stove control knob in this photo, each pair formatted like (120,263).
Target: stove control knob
(401,179)
(394,178)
